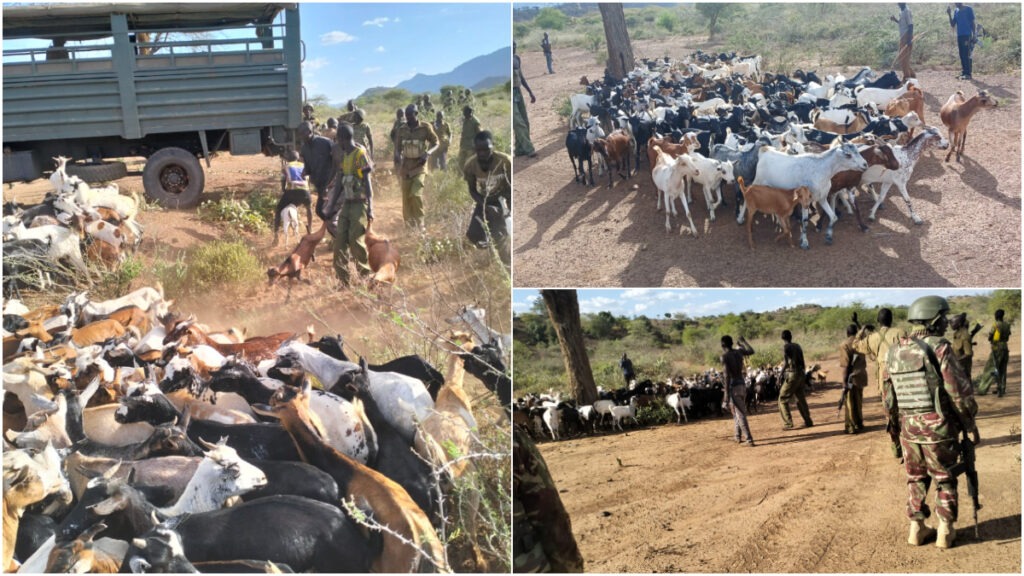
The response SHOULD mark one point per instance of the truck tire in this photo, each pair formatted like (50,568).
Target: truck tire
(102,172)
(173,178)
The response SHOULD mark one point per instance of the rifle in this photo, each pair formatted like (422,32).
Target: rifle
(847,384)
(975,330)
(965,465)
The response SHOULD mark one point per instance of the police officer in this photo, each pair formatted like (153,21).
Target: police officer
(963,347)
(542,539)
(926,388)
(316,155)
(349,115)
(999,336)
(874,344)
(470,128)
(444,134)
(489,177)
(393,135)
(855,378)
(352,205)
(361,132)
(416,142)
(794,375)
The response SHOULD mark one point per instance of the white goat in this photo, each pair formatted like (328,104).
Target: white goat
(680,404)
(669,176)
(907,156)
(881,97)
(620,412)
(710,174)
(580,103)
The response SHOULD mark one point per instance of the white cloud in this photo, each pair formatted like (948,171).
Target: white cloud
(380,49)
(379,21)
(788,293)
(640,307)
(533,298)
(636,293)
(396,20)
(714,306)
(315,64)
(597,304)
(850,297)
(371,69)
(336,37)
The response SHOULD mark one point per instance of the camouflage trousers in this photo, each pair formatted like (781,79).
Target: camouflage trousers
(926,463)
(521,124)
(738,396)
(412,199)
(793,387)
(994,372)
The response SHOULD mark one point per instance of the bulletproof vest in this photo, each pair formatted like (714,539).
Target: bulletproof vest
(359,132)
(412,146)
(914,378)
(294,175)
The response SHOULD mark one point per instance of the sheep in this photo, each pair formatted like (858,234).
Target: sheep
(668,176)
(300,257)
(956,114)
(775,201)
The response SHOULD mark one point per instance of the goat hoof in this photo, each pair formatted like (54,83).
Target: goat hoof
(828,239)
(863,228)
(805,246)
(918,221)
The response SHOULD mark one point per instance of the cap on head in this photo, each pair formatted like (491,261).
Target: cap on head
(926,309)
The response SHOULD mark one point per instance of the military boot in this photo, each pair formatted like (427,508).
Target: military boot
(919,533)
(947,534)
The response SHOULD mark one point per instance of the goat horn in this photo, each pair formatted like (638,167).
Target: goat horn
(112,470)
(206,444)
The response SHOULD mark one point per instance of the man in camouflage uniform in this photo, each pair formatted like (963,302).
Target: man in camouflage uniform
(470,128)
(794,374)
(416,142)
(444,134)
(393,135)
(542,539)
(351,205)
(995,368)
(925,387)
(349,115)
(520,121)
(963,347)
(361,133)
(489,177)
(855,378)
(874,344)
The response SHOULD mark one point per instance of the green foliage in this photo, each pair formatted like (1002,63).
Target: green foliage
(714,12)
(520,30)
(220,263)
(564,107)
(263,203)
(116,283)
(234,213)
(655,415)
(667,20)
(550,19)
(1006,300)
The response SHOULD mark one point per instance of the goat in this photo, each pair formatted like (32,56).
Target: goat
(679,404)
(710,174)
(775,201)
(289,203)
(145,298)
(882,96)
(956,114)
(877,155)
(907,156)
(63,243)
(912,101)
(580,103)
(300,257)
(668,176)
(615,148)
(620,412)
(28,479)
(289,221)
(841,121)
(580,149)
(82,555)
(383,257)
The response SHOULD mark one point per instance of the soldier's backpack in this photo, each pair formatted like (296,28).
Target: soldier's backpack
(915,377)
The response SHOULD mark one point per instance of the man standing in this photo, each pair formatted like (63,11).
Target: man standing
(963,347)
(520,121)
(794,373)
(963,20)
(416,141)
(855,378)
(735,386)
(352,205)
(318,166)
(906,26)
(545,45)
(361,133)
(393,135)
(999,337)
(626,365)
(349,115)
(874,344)
(925,386)
(470,128)
(489,177)
(444,134)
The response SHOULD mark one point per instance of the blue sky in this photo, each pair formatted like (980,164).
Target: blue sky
(654,302)
(352,47)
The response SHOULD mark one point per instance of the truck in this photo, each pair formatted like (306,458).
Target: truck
(172,83)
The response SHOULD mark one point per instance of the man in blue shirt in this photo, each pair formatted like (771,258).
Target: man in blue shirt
(963,20)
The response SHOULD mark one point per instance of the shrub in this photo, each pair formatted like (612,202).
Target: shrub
(221,263)
(667,20)
(655,415)
(117,282)
(234,213)
(550,19)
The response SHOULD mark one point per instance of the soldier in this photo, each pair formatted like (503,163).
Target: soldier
(393,135)
(875,345)
(351,205)
(855,378)
(349,115)
(999,337)
(925,386)
(489,177)
(444,134)
(794,374)
(361,132)
(963,347)
(316,155)
(736,386)
(520,121)
(331,132)
(470,128)
(542,539)
(416,142)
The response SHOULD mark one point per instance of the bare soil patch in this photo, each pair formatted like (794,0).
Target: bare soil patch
(687,498)
(570,235)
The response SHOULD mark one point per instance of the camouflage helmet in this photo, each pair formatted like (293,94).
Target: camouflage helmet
(359,114)
(926,309)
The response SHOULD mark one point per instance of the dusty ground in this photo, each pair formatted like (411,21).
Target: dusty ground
(971,235)
(689,499)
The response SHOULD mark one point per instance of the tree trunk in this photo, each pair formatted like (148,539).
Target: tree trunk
(564,311)
(620,51)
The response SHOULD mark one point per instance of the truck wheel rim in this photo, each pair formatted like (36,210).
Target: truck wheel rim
(174,179)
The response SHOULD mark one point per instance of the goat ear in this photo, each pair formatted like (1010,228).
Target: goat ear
(306,388)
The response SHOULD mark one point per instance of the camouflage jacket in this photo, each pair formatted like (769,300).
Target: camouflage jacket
(956,405)
(542,539)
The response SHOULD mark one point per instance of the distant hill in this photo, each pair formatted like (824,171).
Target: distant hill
(479,73)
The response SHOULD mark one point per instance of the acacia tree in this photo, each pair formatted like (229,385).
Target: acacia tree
(564,311)
(713,11)
(620,51)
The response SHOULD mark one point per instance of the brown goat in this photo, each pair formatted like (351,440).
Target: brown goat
(83,554)
(616,149)
(877,155)
(97,332)
(297,261)
(383,256)
(856,124)
(912,101)
(776,201)
(666,145)
(956,115)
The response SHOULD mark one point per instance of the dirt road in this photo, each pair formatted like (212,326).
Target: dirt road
(689,499)
(567,234)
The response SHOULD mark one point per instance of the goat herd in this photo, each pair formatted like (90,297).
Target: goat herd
(698,396)
(784,141)
(138,440)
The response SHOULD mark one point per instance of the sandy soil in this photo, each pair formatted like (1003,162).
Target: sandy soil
(689,499)
(971,235)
